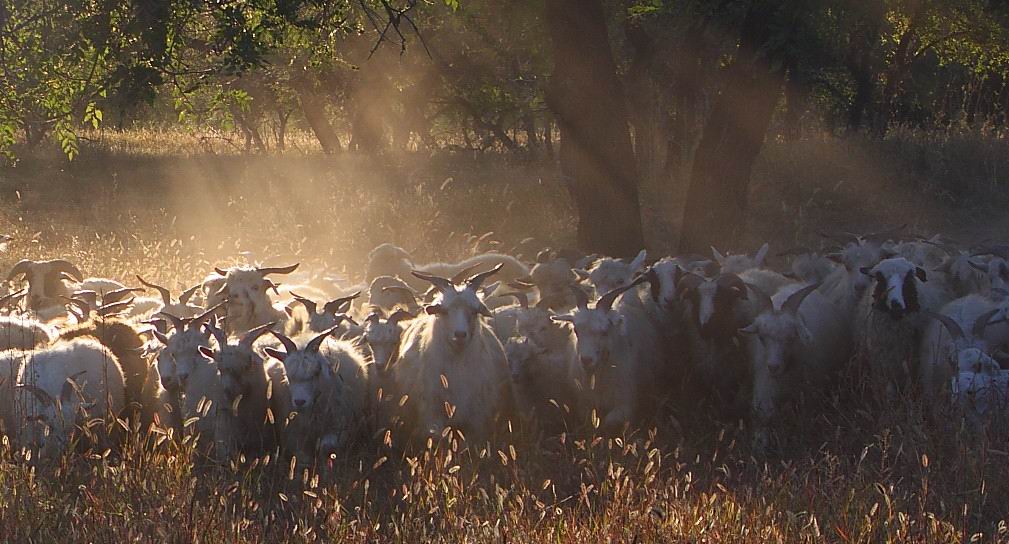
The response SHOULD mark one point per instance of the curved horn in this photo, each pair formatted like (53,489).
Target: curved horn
(544,256)
(61,265)
(461,275)
(278,269)
(581,299)
(188,294)
(113,308)
(208,313)
(442,284)
(221,272)
(844,237)
(522,299)
(477,280)
(219,335)
(399,315)
(606,301)
(952,326)
(255,333)
(166,295)
(289,345)
(177,322)
(316,343)
(794,300)
(334,306)
(374,317)
(81,305)
(309,305)
(118,294)
(982,323)
(401,289)
(20,269)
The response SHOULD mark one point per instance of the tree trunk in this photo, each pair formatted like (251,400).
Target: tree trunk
(596,155)
(314,110)
(861,59)
(733,136)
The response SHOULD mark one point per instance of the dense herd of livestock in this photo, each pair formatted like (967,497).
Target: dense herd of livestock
(245,365)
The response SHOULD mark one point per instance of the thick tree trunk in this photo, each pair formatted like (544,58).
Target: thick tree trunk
(596,155)
(733,136)
(863,49)
(314,110)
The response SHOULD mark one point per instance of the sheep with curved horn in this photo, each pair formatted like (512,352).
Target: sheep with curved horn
(50,281)
(449,355)
(796,343)
(255,392)
(330,386)
(248,301)
(180,307)
(619,349)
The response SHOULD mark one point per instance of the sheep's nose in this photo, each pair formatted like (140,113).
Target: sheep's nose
(183,377)
(299,402)
(588,361)
(460,335)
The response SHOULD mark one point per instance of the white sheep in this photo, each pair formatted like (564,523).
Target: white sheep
(548,382)
(62,388)
(388,293)
(255,391)
(620,351)
(248,304)
(382,336)
(314,319)
(180,355)
(963,324)
(330,390)
(890,319)
(451,367)
(796,344)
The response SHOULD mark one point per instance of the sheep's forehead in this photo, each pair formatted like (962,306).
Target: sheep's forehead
(243,277)
(549,272)
(301,366)
(460,298)
(188,340)
(378,332)
(776,325)
(235,356)
(591,321)
(894,267)
(707,289)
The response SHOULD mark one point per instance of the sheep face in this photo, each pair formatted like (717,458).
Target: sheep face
(856,256)
(519,352)
(998,273)
(609,274)
(180,358)
(305,373)
(896,286)
(776,336)
(666,272)
(457,312)
(712,303)
(594,328)
(246,293)
(383,339)
(236,365)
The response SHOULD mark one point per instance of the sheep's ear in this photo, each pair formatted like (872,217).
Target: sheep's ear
(639,260)
(67,392)
(433,309)
(617,320)
(718,256)
(276,354)
(485,311)
(582,274)
(749,329)
(867,270)
(566,318)
(289,311)
(761,254)
(920,273)
(207,352)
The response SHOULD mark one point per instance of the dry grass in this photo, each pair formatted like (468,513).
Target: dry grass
(840,474)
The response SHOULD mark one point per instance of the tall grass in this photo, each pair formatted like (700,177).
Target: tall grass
(842,470)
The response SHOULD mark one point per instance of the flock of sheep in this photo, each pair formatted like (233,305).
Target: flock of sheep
(245,365)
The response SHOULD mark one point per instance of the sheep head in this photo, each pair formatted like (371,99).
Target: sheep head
(388,260)
(712,302)
(457,309)
(181,355)
(236,362)
(595,326)
(383,336)
(308,371)
(609,274)
(246,292)
(778,329)
(896,286)
(46,281)
(735,264)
